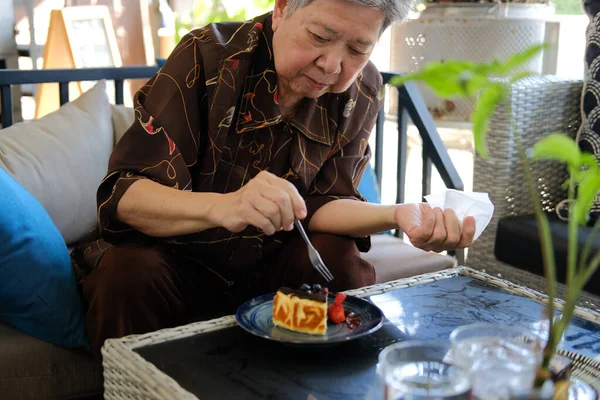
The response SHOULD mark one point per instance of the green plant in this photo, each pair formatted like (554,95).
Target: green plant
(207,11)
(488,84)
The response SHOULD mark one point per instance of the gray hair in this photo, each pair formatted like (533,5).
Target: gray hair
(392,10)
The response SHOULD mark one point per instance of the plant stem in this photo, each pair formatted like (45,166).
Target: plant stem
(582,278)
(587,274)
(572,291)
(588,246)
(573,236)
(579,281)
(547,250)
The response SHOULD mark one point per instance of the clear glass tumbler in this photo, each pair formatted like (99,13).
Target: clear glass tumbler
(417,370)
(500,359)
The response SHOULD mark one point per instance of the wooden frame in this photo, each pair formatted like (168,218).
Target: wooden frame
(74,19)
(78,37)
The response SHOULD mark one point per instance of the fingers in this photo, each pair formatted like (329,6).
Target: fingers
(270,203)
(453,229)
(431,229)
(441,230)
(260,221)
(417,221)
(298,205)
(283,202)
(449,233)
(271,222)
(427,221)
(468,233)
(436,227)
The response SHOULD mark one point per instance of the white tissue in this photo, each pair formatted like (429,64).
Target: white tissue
(474,204)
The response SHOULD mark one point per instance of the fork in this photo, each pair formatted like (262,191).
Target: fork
(313,254)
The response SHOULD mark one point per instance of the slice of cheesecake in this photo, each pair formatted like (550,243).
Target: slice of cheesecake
(302,310)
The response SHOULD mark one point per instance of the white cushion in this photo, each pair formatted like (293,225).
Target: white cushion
(393,259)
(62,158)
(122,119)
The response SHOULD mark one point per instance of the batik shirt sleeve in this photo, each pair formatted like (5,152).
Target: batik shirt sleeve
(163,142)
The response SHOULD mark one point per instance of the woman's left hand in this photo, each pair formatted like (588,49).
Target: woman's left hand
(434,229)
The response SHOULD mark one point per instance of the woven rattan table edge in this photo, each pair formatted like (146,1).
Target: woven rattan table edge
(127,375)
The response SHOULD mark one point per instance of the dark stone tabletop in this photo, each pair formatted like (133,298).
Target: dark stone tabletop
(232,364)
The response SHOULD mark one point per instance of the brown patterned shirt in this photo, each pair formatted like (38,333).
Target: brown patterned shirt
(209,121)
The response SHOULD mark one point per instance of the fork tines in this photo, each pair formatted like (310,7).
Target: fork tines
(323,270)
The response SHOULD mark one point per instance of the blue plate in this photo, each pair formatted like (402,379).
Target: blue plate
(256,317)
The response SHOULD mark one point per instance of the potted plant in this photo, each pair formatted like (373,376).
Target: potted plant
(488,84)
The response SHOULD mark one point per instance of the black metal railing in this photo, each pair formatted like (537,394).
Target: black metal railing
(63,77)
(410,105)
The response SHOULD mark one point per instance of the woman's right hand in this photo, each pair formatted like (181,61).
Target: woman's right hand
(266,202)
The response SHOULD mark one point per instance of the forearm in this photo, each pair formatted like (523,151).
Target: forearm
(157,210)
(353,218)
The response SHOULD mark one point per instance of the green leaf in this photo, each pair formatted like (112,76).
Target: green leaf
(586,194)
(577,174)
(447,79)
(475,83)
(588,159)
(484,108)
(517,77)
(558,147)
(489,69)
(521,58)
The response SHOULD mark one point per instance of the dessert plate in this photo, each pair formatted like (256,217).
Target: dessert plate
(255,316)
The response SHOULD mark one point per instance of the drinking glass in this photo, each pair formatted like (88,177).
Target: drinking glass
(501,360)
(417,370)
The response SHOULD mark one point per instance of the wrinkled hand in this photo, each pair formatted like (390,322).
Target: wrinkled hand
(433,229)
(266,202)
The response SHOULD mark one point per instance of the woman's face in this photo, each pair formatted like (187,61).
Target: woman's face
(322,47)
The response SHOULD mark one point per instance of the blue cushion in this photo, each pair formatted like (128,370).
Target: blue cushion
(38,288)
(368,187)
(160,62)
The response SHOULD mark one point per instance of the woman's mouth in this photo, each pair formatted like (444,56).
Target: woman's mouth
(314,84)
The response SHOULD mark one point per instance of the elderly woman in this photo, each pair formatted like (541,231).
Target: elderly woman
(247,127)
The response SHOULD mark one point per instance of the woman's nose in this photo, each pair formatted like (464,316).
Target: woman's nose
(330,62)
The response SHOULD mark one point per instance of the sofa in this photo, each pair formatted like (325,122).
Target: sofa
(510,245)
(59,160)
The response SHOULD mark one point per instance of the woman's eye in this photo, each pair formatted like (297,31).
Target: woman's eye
(320,39)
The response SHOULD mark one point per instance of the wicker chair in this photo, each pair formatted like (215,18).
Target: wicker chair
(539,106)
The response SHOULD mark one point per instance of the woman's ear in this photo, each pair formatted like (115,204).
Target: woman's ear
(279,13)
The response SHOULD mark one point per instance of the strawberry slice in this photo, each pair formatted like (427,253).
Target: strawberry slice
(339,298)
(336,313)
